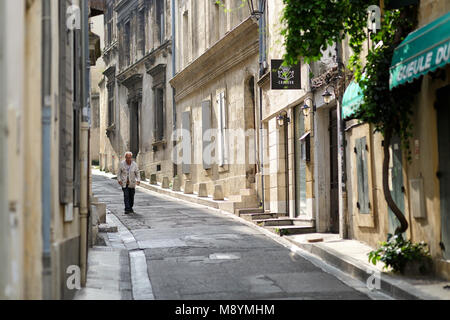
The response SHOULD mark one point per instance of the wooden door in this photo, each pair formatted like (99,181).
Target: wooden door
(334,176)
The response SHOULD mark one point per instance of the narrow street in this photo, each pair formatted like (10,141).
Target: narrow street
(195,253)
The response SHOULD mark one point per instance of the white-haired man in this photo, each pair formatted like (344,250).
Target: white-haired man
(128,178)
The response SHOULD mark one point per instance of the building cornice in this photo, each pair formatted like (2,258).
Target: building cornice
(148,60)
(222,56)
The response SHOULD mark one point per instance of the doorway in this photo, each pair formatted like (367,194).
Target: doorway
(334,176)
(300,164)
(443,126)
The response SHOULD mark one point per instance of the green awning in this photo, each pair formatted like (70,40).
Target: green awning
(352,99)
(422,51)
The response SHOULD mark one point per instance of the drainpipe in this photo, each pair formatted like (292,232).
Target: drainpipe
(4,221)
(262,59)
(84,135)
(174,71)
(46,143)
(286,156)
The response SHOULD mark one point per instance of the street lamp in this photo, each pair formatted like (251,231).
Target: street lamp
(327,96)
(306,108)
(283,119)
(256,12)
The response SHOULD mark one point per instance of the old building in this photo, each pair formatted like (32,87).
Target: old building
(136,109)
(45,204)
(419,186)
(216,50)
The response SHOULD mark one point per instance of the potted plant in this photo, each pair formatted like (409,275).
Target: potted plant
(403,256)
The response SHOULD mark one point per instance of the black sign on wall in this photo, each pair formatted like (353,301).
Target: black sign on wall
(285,77)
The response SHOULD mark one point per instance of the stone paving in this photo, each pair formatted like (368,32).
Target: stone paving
(194,252)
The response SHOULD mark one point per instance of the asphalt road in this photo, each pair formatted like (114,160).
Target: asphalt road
(196,253)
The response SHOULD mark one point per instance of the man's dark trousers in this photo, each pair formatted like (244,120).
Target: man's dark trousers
(128,196)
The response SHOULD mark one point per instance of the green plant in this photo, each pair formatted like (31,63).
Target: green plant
(281,232)
(397,252)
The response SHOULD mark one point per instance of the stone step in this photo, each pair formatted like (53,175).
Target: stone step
(247,192)
(233,206)
(274,222)
(304,222)
(256,216)
(249,210)
(285,221)
(289,230)
(243,198)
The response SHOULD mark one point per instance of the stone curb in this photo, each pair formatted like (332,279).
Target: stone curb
(396,288)
(180,195)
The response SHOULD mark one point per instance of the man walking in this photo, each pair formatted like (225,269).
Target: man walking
(128,178)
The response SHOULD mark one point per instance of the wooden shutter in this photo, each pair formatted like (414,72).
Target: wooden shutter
(206,125)
(186,126)
(222,126)
(363,203)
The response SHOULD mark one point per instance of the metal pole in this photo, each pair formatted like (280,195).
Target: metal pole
(262,58)
(46,145)
(174,72)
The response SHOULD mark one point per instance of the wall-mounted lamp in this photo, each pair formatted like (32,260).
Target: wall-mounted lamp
(256,12)
(306,109)
(327,96)
(283,119)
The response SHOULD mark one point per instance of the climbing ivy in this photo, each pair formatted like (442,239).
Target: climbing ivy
(386,109)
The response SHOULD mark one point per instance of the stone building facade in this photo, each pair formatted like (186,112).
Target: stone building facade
(135,97)
(216,52)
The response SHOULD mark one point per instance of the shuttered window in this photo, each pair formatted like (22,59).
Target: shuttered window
(361,151)
(206,134)
(222,148)
(186,143)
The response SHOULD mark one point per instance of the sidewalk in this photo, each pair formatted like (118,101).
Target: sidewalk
(349,256)
(108,276)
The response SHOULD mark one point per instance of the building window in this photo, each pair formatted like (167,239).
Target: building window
(160,20)
(109,25)
(127,44)
(185,38)
(111,116)
(142,32)
(159,114)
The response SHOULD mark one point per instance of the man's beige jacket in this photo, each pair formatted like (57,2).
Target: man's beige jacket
(133,174)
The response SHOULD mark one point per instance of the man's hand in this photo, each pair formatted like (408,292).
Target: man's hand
(138,183)
(120,182)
